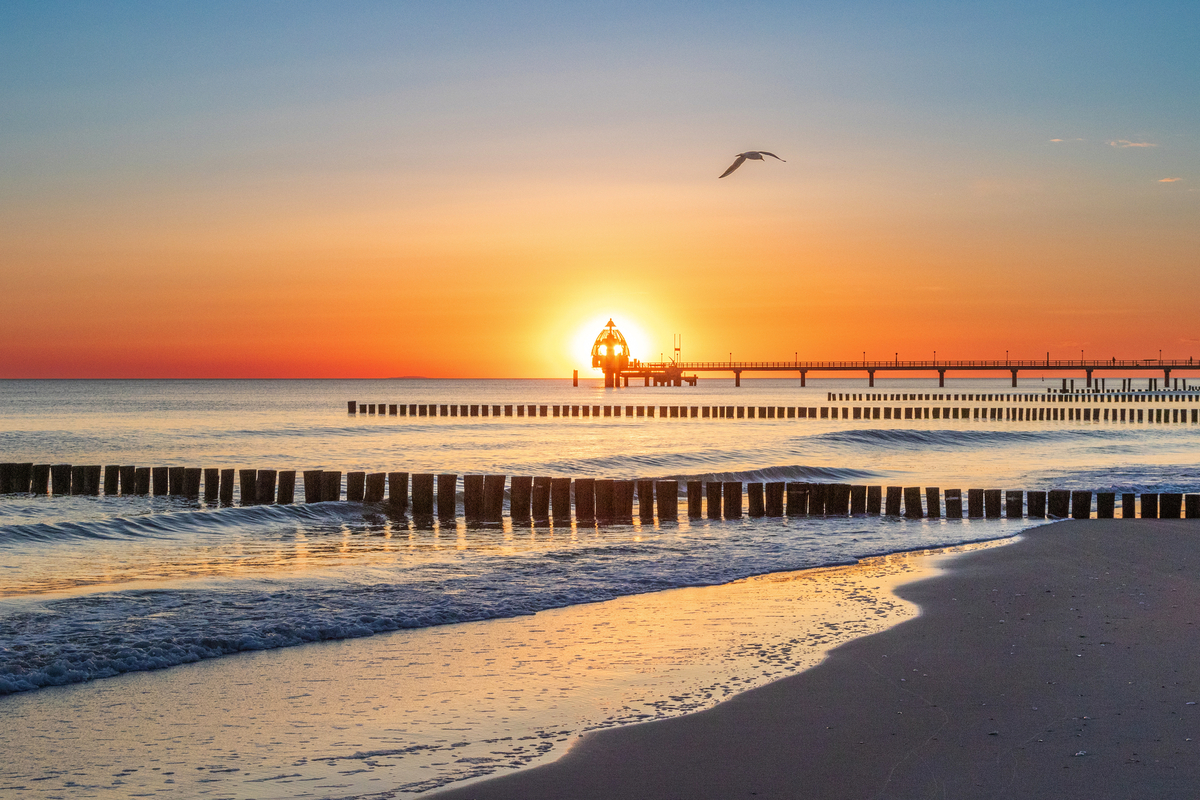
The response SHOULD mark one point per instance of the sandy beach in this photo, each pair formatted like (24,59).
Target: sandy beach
(1060,666)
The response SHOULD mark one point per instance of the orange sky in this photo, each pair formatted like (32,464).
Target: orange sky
(472,227)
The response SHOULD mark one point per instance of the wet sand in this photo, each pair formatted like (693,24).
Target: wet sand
(1066,665)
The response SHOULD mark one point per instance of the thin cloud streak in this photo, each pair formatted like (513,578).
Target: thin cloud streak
(1169,180)
(1127,143)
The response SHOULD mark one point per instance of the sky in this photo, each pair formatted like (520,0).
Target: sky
(360,189)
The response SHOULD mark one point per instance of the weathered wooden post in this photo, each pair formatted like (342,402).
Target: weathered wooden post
(356,486)
(1191,508)
(331,485)
(40,479)
(212,485)
(376,485)
(1106,503)
(774,498)
(1081,505)
(1014,503)
(933,502)
(520,495)
(92,473)
(248,478)
(541,498)
(797,499)
(975,503)
(1128,505)
(912,502)
(754,496)
(818,499)
(623,501)
(264,487)
(712,491)
(585,499)
(645,493)
(493,497)
(891,506)
(422,495)
(191,483)
(60,478)
(1150,505)
(668,500)
(158,477)
(473,497)
(731,492)
(991,503)
(447,495)
(175,481)
(398,491)
(287,487)
(112,477)
(874,500)
(1059,502)
(312,485)
(954,507)
(695,499)
(604,499)
(1037,505)
(837,500)
(351,406)
(1170,505)
(141,480)
(560,498)
(6,478)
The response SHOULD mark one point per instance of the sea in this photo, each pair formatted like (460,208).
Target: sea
(98,593)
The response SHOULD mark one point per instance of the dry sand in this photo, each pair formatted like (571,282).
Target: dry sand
(1066,665)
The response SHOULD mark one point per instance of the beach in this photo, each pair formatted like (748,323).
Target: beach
(1059,666)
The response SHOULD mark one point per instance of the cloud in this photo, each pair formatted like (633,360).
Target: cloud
(1127,143)
(1076,139)
(1169,180)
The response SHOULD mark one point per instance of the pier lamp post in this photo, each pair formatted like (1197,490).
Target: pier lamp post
(935,358)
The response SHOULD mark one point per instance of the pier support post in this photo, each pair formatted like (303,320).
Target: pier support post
(941,379)
(541,498)
(422,495)
(870,378)
(712,490)
(731,492)
(737,378)
(447,495)
(575,377)
(1014,378)
(804,378)
(560,498)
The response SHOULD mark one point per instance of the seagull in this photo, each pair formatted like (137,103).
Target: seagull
(753,155)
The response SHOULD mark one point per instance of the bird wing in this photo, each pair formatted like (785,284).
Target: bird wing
(737,163)
(772,155)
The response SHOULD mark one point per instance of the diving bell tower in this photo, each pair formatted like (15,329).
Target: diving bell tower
(611,354)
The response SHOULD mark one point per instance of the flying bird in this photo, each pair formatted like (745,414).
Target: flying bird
(753,155)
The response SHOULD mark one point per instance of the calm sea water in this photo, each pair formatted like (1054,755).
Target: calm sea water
(96,586)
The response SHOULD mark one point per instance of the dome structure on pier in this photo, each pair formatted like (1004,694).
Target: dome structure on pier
(610,352)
